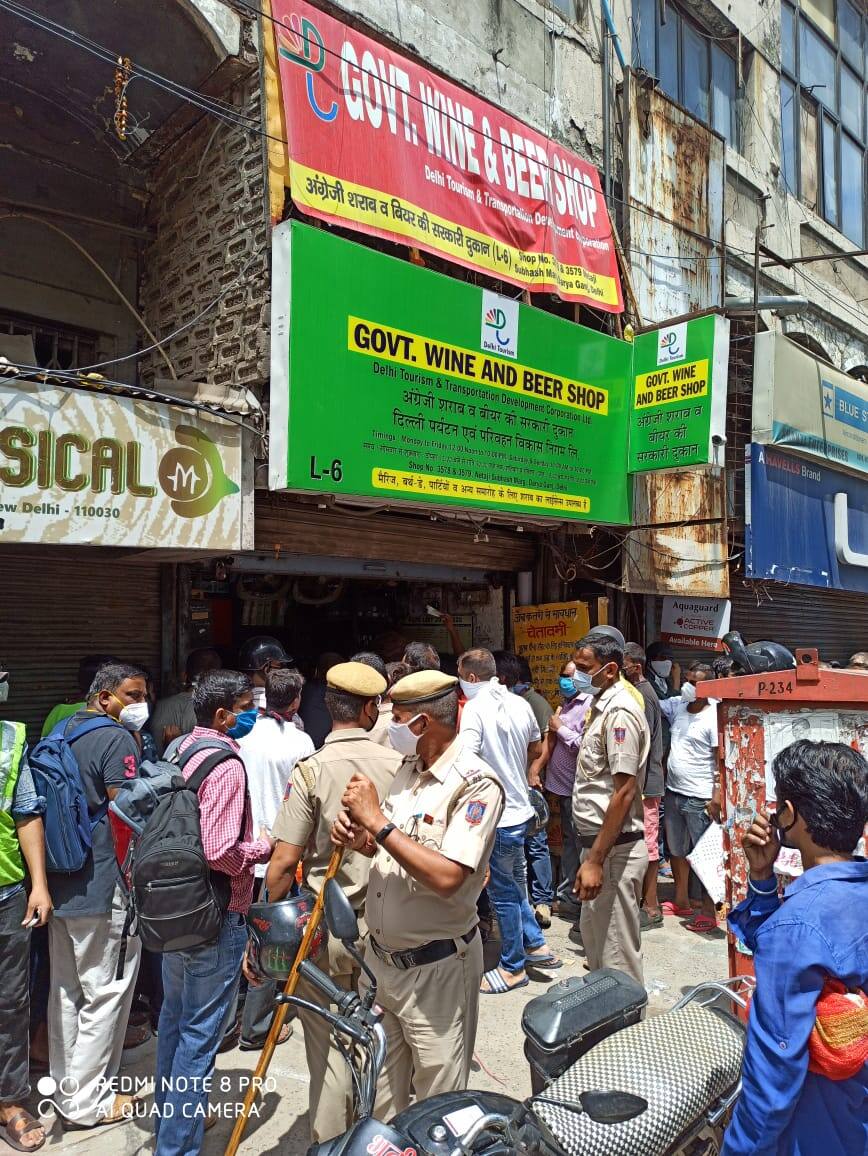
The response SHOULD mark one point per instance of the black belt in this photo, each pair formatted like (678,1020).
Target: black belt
(427,953)
(627,837)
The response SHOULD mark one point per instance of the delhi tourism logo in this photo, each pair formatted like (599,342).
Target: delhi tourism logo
(301,43)
(499,324)
(191,474)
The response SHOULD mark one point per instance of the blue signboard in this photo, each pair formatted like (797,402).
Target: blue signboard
(805,524)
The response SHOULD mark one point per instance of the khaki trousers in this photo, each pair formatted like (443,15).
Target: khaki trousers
(431,1013)
(610,923)
(331,1089)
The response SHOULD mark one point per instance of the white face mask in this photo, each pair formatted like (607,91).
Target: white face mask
(259,697)
(402,739)
(134,716)
(688,692)
(663,668)
(471,689)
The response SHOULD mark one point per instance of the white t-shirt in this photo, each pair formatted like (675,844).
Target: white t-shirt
(692,765)
(499,726)
(270,753)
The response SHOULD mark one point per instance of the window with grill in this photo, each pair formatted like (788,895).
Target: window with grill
(57,346)
(824,109)
(694,69)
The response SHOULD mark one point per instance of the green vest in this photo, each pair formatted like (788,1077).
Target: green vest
(12,742)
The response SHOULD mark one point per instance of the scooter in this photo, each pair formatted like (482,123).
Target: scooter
(605,1080)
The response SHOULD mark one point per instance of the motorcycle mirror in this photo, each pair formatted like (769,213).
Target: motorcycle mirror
(340,918)
(612,1107)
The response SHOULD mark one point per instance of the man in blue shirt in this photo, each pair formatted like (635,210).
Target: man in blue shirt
(817,932)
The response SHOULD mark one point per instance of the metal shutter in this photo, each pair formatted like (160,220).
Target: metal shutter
(284,525)
(834,622)
(55,610)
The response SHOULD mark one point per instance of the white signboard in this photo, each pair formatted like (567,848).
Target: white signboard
(807,406)
(695,623)
(85,469)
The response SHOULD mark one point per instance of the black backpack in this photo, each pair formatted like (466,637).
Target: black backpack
(178,902)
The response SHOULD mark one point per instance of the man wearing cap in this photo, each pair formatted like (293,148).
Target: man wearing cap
(257,657)
(608,809)
(301,831)
(430,841)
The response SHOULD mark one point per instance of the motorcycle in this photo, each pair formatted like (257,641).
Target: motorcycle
(605,1079)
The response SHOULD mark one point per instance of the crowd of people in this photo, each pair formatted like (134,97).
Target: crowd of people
(430,783)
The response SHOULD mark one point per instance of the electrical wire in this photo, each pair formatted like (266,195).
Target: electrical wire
(70,378)
(81,249)
(181,328)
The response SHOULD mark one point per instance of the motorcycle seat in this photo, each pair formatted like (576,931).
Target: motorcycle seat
(682,1062)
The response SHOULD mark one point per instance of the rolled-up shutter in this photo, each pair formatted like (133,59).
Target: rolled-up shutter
(55,609)
(286,526)
(836,623)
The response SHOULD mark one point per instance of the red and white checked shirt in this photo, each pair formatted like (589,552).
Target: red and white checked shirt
(224,805)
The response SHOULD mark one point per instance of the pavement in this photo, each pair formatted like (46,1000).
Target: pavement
(675,960)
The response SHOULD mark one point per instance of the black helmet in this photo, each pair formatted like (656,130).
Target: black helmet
(759,657)
(261,652)
(276,931)
(540,808)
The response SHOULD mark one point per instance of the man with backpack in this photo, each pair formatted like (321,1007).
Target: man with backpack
(200,984)
(79,768)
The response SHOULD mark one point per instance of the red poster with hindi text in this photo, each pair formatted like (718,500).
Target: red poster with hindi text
(380,144)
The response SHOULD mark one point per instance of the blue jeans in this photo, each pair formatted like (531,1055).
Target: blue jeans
(508,890)
(199,990)
(539,866)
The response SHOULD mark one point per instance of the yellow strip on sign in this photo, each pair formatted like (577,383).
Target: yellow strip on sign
(432,485)
(425,353)
(673,384)
(351,202)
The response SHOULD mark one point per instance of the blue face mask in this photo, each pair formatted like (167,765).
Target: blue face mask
(521,688)
(244,721)
(567,686)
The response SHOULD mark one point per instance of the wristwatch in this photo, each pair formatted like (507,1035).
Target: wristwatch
(382,835)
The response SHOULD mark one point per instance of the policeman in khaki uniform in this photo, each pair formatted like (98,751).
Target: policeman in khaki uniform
(301,831)
(430,840)
(608,810)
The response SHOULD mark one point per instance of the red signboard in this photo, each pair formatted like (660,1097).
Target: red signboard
(379,144)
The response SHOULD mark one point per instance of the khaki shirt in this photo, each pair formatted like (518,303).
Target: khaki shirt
(616,741)
(308,811)
(379,733)
(453,807)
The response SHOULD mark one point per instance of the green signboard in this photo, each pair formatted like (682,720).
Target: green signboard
(398,384)
(679,395)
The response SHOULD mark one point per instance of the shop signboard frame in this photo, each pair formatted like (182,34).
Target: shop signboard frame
(678,410)
(808,408)
(805,523)
(81,468)
(383,388)
(379,143)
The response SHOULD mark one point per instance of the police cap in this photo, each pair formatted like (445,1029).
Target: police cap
(423,686)
(356,678)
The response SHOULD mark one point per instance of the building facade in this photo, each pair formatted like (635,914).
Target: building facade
(137,202)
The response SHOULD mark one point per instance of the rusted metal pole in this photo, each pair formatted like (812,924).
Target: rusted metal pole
(280,1013)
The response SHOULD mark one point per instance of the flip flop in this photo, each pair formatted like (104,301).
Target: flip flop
(12,1135)
(497,985)
(702,924)
(548,962)
(669,908)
